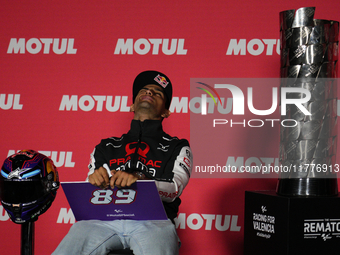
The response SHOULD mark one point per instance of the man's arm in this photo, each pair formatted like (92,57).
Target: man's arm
(99,172)
(181,168)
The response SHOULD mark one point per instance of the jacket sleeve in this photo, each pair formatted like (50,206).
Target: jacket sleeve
(181,169)
(97,159)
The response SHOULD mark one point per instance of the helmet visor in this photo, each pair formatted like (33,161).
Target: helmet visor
(19,191)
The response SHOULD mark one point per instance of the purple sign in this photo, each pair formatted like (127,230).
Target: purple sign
(140,201)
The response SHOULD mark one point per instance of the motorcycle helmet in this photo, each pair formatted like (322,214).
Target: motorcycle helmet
(28,185)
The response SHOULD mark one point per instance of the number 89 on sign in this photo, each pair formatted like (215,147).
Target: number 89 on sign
(107,196)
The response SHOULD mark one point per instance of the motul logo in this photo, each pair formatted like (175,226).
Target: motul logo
(10,101)
(3,214)
(253,47)
(44,45)
(144,46)
(197,221)
(59,158)
(66,216)
(87,103)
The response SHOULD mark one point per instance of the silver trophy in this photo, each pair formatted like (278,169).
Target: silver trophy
(309,54)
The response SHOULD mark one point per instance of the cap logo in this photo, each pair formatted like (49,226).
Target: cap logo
(161,81)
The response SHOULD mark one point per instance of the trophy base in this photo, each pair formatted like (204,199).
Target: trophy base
(307,187)
(283,225)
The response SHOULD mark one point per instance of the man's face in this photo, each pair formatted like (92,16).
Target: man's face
(150,100)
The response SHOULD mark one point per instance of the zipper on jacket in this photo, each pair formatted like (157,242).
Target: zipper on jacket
(135,155)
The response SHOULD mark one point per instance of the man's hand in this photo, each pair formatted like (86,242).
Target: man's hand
(100,178)
(122,179)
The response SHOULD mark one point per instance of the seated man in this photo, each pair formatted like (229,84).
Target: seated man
(145,152)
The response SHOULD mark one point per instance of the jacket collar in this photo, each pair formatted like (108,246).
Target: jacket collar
(146,127)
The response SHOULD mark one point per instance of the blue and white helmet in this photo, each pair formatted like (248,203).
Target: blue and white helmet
(28,185)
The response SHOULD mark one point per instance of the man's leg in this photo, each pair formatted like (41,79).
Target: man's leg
(90,238)
(152,237)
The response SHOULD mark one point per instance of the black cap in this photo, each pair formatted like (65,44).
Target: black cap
(153,77)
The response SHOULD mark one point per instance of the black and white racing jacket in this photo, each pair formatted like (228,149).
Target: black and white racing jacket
(148,149)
